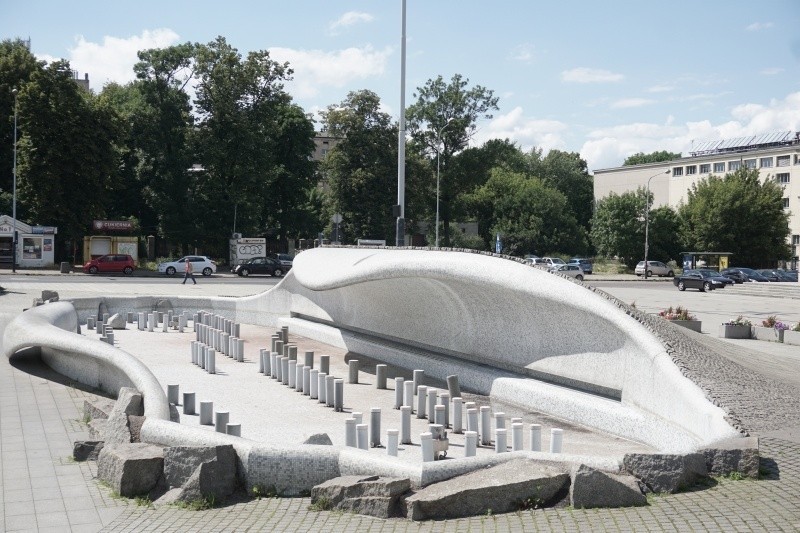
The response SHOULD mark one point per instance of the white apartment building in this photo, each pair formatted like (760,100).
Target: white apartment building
(775,155)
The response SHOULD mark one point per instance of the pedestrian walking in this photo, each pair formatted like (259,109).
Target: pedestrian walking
(188,272)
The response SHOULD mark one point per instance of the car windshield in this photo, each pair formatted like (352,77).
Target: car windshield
(707,273)
(557,261)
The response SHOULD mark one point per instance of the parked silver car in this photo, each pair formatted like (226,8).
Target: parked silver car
(200,263)
(572,270)
(654,268)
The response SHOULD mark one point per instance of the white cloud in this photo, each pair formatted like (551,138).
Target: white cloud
(771,71)
(627,103)
(523,53)
(349,19)
(661,88)
(314,69)
(758,26)
(527,132)
(590,75)
(113,60)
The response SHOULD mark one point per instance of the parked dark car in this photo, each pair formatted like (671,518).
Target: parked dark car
(750,274)
(110,263)
(709,273)
(776,275)
(585,264)
(736,275)
(703,281)
(260,265)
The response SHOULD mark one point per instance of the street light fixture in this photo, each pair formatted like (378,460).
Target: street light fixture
(438,142)
(647,219)
(14,194)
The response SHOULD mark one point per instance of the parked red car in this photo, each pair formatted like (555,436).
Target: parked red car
(111,263)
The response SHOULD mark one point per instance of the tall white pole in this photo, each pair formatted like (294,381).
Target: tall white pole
(14,194)
(401,137)
(437,193)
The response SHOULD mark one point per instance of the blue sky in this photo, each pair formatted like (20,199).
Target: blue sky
(605,79)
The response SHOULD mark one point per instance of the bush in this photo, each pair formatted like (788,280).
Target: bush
(679,313)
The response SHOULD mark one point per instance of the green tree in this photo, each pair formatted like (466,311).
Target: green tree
(568,173)
(444,119)
(740,214)
(618,226)
(641,158)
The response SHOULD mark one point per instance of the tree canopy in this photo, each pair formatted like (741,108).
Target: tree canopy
(641,158)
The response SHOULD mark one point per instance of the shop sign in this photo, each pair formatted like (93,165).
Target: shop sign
(112,225)
(41,230)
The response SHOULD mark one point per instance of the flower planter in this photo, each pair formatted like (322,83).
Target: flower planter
(767,334)
(693,325)
(791,337)
(734,331)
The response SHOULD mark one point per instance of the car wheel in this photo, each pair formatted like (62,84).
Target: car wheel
(681,286)
(207,271)
(707,286)
(92,270)
(244,272)
(277,272)
(670,273)
(127,271)
(579,277)
(170,271)
(649,273)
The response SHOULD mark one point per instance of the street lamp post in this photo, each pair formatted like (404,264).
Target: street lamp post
(14,194)
(647,219)
(438,142)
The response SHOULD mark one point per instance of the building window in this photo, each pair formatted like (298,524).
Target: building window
(719,167)
(795,239)
(766,162)
(734,165)
(705,168)
(782,177)
(690,170)
(31,248)
(677,171)
(786,203)
(749,163)
(783,160)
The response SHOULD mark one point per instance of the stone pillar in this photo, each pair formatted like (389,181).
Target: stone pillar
(285,334)
(306,380)
(292,374)
(309,359)
(500,445)
(433,398)
(129,317)
(426,440)
(391,447)
(361,436)
(324,364)
(556,438)
(237,329)
(516,420)
(279,347)
(471,442)
(206,413)
(275,338)
(240,350)
(150,320)
(375,427)
(221,419)
(516,437)
(380,376)
(298,378)
(350,432)
(352,367)
(405,423)
(500,421)
(188,403)
(321,387)
(274,367)
(172,394)
(452,386)
(225,343)
(358,416)
(314,383)
(486,425)
(141,322)
(211,363)
(285,370)
(110,338)
(422,397)
(330,386)
(292,352)
(164,327)
(418,375)
(338,395)
(398,392)
(439,415)
(444,399)
(457,418)
(202,356)
(261,361)
(234,429)
(408,394)
(536,438)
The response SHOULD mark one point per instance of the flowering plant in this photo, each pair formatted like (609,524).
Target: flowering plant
(796,327)
(679,313)
(780,326)
(738,321)
(769,322)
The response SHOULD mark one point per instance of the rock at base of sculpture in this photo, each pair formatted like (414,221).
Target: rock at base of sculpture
(118,321)
(97,428)
(135,424)
(130,469)
(97,408)
(666,472)
(174,415)
(49,296)
(594,488)
(319,439)
(87,450)
(201,471)
(733,455)
(506,487)
(373,496)
(117,428)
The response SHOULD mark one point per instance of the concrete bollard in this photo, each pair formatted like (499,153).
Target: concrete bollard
(408,394)
(398,392)
(110,338)
(309,359)
(203,357)
(172,394)
(298,378)
(90,321)
(321,388)
(240,350)
(422,397)
(164,327)
(285,370)
(285,334)
(486,425)
(279,348)
(188,403)
(330,386)
(418,375)
(221,419)
(306,380)
(234,429)
(261,361)
(516,420)
(457,410)
(516,437)
(150,320)
(324,364)
(470,442)
(556,439)
(211,362)
(500,445)
(391,444)
(358,416)
(129,317)
(426,440)
(439,415)
(500,420)
(236,329)
(292,373)
(193,351)
(405,424)
(106,316)
(274,367)
(338,395)
(380,376)
(536,438)
(361,436)
(444,399)
(225,343)
(275,338)
(206,413)
(350,432)
(452,386)
(352,367)
(433,399)
(140,323)
(314,383)
(472,420)
(292,352)
(375,427)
